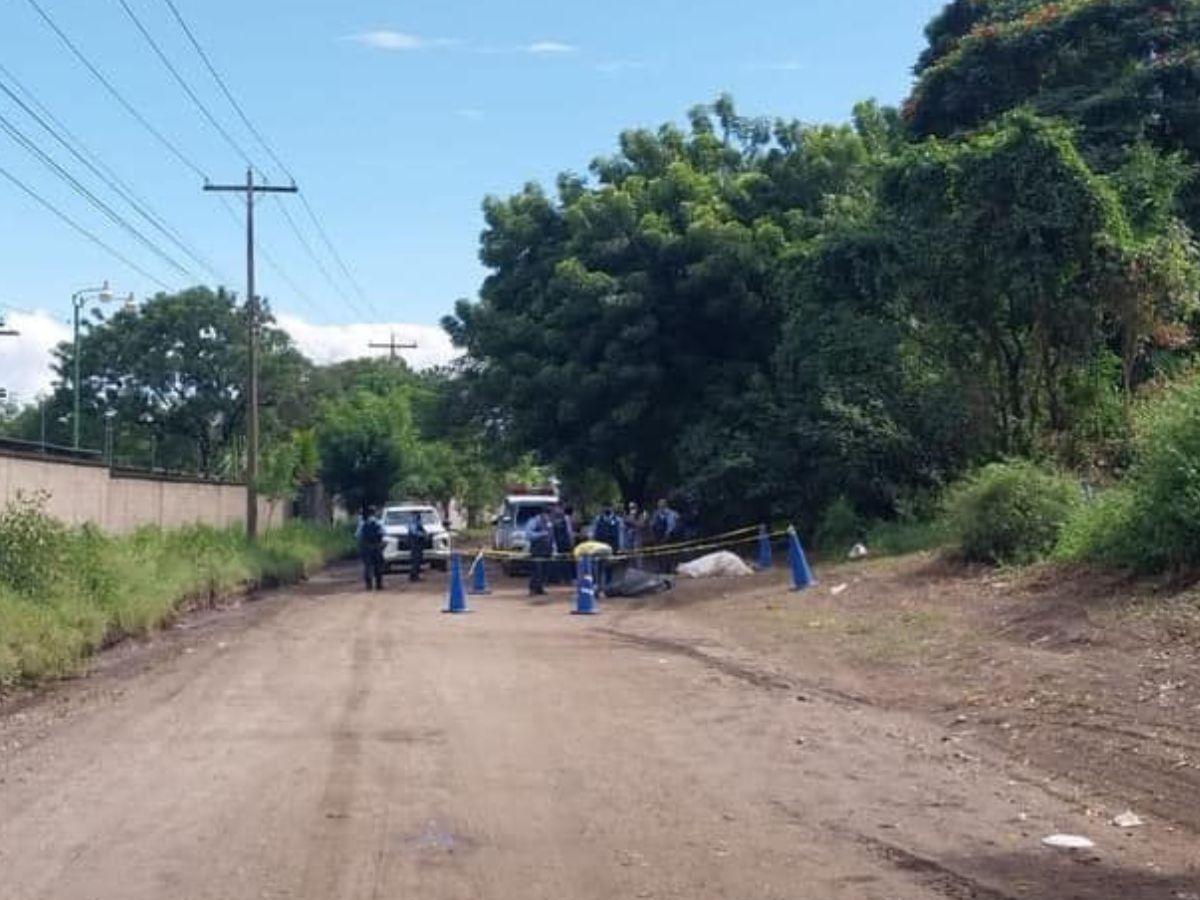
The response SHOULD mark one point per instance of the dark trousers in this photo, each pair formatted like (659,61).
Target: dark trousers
(372,561)
(416,560)
(537,574)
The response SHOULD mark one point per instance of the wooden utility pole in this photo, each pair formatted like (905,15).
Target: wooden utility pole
(252,314)
(393,347)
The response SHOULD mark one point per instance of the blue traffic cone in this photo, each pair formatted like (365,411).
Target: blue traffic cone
(585,594)
(802,576)
(457,602)
(479,583)
(765,561)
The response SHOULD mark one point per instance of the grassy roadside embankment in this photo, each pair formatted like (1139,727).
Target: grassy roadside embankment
(66,592)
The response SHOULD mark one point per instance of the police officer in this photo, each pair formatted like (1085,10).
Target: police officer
(541,548)
(607,530)
(369,535)
(564,545)
(416,544)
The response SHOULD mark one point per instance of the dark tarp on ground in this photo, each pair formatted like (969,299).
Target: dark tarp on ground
(633,582)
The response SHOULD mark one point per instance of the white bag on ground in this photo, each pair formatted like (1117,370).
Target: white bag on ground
(721,564)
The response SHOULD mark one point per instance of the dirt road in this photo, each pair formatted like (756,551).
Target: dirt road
(329,743)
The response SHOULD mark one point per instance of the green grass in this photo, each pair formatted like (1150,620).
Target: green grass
(905,537)
(65,592)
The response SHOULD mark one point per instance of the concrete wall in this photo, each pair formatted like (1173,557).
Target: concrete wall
(81,491)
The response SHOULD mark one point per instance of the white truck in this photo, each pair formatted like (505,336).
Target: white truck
(514,515)
(397,545)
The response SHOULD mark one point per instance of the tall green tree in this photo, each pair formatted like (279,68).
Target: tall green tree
(171,375)
(614,314)
(368,446)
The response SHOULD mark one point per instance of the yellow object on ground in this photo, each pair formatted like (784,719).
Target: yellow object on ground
(593,548)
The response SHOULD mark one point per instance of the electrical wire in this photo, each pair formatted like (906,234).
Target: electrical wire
(324,270)
(269,258)
(80,229)
(23,140)
(182,82)
(322,233)
(94,165)
(133,111)
(337,257)
(237,107)
(117,95)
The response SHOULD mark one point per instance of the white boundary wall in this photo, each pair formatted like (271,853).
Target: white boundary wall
(119,502)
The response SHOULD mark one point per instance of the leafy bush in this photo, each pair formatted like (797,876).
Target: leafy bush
(840,527)
(1010,512)
(64,592)
(1151,522)
(31,545)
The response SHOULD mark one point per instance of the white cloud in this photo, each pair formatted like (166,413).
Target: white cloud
(470,113)
(25,359)
(549,48)
(387,39)
(327,344)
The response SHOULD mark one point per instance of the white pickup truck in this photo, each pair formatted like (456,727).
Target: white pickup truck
(397,546)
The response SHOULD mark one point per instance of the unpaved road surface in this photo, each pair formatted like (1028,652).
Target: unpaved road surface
(330,743)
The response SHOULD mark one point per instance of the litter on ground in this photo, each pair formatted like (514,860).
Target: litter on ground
(1128,819)
(1068,842)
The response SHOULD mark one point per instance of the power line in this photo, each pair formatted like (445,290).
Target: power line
(80,229)
(101,171)
(182,158)
(23,140)
(237,107)
(212,120)
(179,79)
(264,250)
(117,95)
(322,233)
(333,252)
(324,270)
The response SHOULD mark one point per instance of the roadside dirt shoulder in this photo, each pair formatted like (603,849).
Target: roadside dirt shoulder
(1089,683)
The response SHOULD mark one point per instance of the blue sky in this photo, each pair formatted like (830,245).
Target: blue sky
(397,119)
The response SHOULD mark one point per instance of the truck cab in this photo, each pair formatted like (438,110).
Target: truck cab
(514,515)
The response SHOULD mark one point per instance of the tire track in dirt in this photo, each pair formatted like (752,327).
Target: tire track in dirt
(745,672)
(324,867)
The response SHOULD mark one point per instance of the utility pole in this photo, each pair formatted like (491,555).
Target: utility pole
(252,314)
(393,347)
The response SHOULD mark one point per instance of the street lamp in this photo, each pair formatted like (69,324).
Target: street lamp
(148,420)
(105,295)
(109,415)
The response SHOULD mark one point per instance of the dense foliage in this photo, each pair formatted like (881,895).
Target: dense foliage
(1151,521)
(763,317)
(1010,512)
